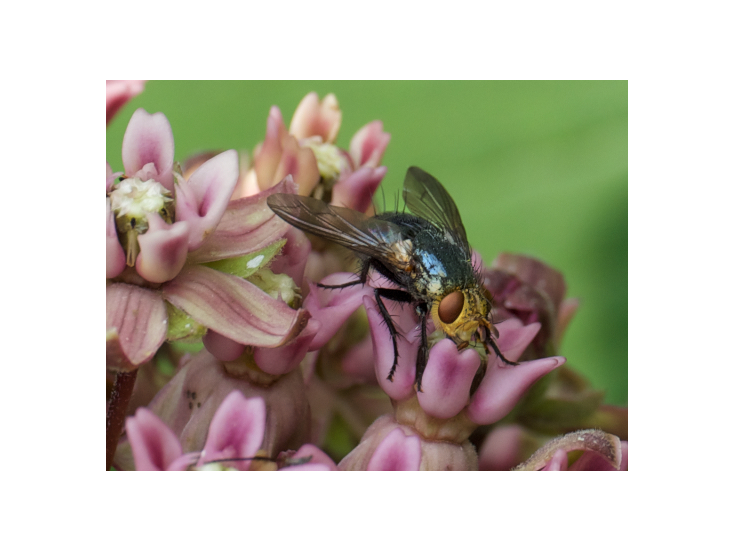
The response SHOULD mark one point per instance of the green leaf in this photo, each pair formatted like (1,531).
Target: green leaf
(246,265)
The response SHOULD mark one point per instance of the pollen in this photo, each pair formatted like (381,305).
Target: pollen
(330,160)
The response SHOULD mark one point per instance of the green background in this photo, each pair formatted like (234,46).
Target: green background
(535,167)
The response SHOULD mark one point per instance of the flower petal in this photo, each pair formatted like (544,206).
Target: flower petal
(234,307)
(237,430)
(312,118)
(553,456)
(319,460)
(139,317)
(299,162)
(356,190)
(155,447)
(202,199)
(222,348)
(283,359)
(247,225)
(149,139)
(119,92)
(368,145)
(332,307)
(382,349)
(503,386)
(447,379)
(163,249)
(115,252)
(268,155)
(396,452)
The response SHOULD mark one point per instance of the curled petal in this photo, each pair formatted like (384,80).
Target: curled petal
(368,145)
(115,252)
(284,359)
(236,431)
(119,92)
(163,249)
(149,139)
(332,307)
(397,452)
(139,318)
(382,349)
(356,190)
(234,307)
(247,225)
(312,118)
(447,379)
(155,447)
(602,451)
(319,460)
(515,337)
(202,199)
(221,347)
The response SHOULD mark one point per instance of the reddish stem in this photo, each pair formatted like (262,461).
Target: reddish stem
(120,399)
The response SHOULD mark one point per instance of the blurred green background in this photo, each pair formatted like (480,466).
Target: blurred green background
(535,167)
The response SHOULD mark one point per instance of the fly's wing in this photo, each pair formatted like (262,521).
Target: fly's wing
(427,198)
(369,236)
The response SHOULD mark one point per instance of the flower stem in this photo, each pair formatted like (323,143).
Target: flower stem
(121,394)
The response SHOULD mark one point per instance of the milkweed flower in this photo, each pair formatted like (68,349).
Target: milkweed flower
(307,152)
(186,252)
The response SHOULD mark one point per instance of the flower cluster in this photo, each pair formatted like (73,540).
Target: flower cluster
(223,353)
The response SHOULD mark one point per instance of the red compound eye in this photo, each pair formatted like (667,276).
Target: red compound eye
(451,306)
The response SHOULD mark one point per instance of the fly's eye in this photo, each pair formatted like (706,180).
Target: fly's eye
(451,306)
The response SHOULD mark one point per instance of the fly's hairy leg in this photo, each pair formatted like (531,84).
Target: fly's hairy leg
(494,346)
(397,296)
(422,358)
(362,279)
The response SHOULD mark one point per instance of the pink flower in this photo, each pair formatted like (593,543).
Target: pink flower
(119,92)
(187,252)
(307,153)
(235,433)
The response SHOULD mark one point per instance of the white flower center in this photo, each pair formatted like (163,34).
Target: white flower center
(136,199)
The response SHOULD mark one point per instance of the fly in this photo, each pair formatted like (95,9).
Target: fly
(425,254)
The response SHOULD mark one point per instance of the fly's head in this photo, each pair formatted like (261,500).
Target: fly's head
(463,314)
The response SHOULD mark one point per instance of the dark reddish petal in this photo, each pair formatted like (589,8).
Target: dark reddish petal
(163,249)
(368,145)
(247,225)
(356,190)
(396,452)
(139,317)
(314,118)
(447,379)
(234,307)
(597,446)
(202,199)
(149,139)
(155,447)
(535,273)
(115,252)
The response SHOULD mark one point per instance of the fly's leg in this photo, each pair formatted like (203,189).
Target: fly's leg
(497,351)
(362,279)
(422,358)
(397,296)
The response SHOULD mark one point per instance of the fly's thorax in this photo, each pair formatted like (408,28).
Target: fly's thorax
(460,312)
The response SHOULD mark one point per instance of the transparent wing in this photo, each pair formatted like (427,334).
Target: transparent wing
(368,236)
(427,198)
